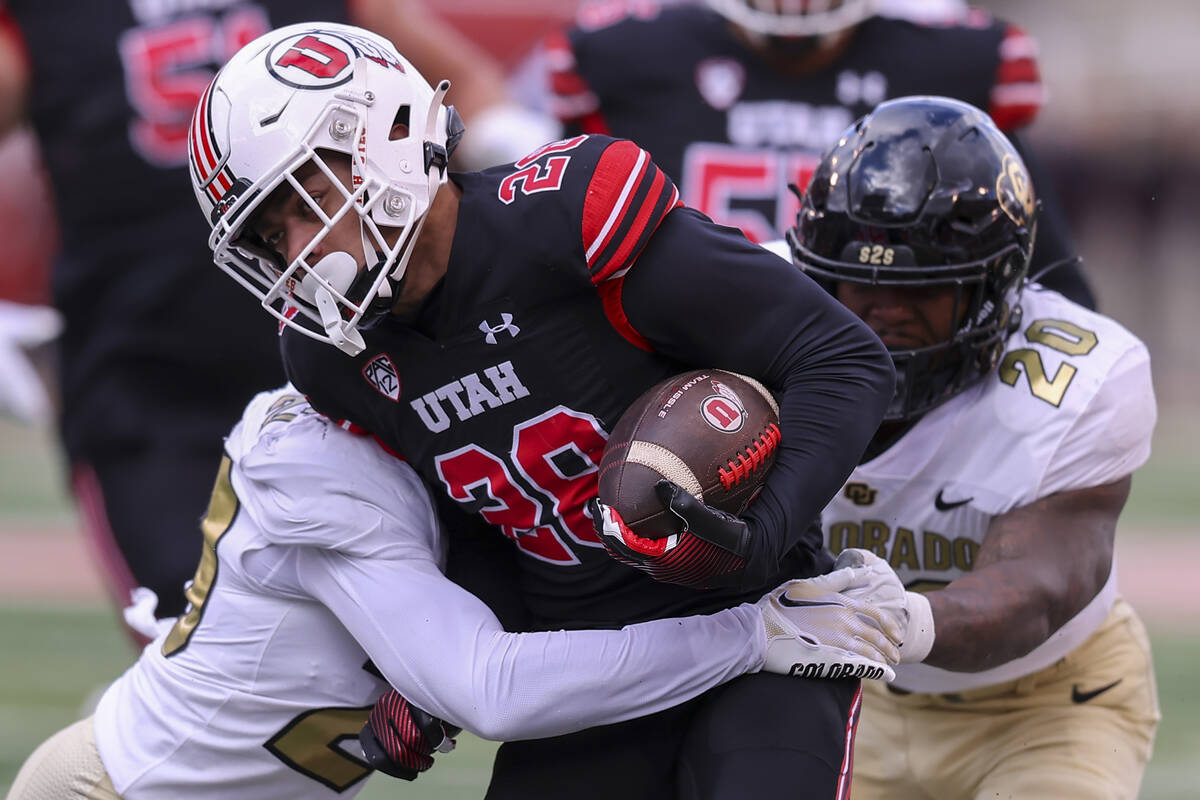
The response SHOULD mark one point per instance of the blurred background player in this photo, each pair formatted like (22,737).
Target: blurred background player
(158,354)
(995,483)
(737,99)
(295,630)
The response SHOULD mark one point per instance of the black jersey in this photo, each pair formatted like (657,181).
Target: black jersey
(152,329)
(734,130)
(575,282)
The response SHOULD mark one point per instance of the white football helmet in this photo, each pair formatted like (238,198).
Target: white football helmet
(291,97)
(793,18)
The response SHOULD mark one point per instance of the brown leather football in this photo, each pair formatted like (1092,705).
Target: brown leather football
(715,433)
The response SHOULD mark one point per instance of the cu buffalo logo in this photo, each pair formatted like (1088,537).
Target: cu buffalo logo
(322,59)
(859,493)
(1014,191)
(723,410)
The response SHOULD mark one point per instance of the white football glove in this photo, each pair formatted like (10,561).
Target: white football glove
(816,629)
(881,588)
(23,327)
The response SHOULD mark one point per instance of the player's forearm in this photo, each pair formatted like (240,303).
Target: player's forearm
(834,395)
(527,686)
(444,650)
(996,614)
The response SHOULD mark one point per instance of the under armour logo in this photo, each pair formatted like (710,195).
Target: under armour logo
(506,325)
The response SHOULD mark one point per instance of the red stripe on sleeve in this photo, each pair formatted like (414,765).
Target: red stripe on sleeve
(646,219)
(1017,91)
(627,200)
(604,206)
(572,99)
(1023,70)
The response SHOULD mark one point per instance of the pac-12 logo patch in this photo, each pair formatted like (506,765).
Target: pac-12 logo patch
(724,410)
(380,372)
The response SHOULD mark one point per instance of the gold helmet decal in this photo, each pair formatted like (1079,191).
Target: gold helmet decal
(1014,191)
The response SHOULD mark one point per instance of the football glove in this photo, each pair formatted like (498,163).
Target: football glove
(817,629)
(400,739)
(711,550)
(882,588)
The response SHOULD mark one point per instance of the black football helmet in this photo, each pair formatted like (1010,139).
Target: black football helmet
(925,191)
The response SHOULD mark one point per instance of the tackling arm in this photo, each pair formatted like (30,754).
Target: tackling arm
(1039,565)
(444,650)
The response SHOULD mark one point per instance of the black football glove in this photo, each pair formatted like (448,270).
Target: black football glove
(400,739)
(710,552)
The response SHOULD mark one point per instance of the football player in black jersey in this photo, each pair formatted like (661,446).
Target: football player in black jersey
(491,327)
(737,99)
(148,378)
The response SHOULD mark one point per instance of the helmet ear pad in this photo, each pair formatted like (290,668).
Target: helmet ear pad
(925,191)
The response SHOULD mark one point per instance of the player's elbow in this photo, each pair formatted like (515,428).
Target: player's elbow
(503,724)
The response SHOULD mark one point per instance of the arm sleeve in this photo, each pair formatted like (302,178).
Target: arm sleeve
(443,649)
(703,294)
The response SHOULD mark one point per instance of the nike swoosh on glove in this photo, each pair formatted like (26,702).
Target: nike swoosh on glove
(711,550)
(400,739)
(882,588)
(816,629)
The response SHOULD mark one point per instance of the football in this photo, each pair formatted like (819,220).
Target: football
(715,433)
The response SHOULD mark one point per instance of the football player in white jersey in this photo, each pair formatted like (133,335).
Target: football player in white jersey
(994,485)
(321,582)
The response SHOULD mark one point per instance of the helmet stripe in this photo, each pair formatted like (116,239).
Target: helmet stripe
(204,152)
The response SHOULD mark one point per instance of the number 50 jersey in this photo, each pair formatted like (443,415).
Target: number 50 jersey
(1071,406)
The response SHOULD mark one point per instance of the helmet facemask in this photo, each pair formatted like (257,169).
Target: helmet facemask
(393,179)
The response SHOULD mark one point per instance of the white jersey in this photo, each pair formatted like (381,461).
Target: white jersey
(1071,406)
(321,572)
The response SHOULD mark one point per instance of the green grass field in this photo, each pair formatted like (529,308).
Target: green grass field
(55,657)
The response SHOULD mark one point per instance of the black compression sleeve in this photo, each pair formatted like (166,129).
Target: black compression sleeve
(706,296)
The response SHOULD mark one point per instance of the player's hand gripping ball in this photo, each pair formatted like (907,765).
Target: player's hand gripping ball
(683,461)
